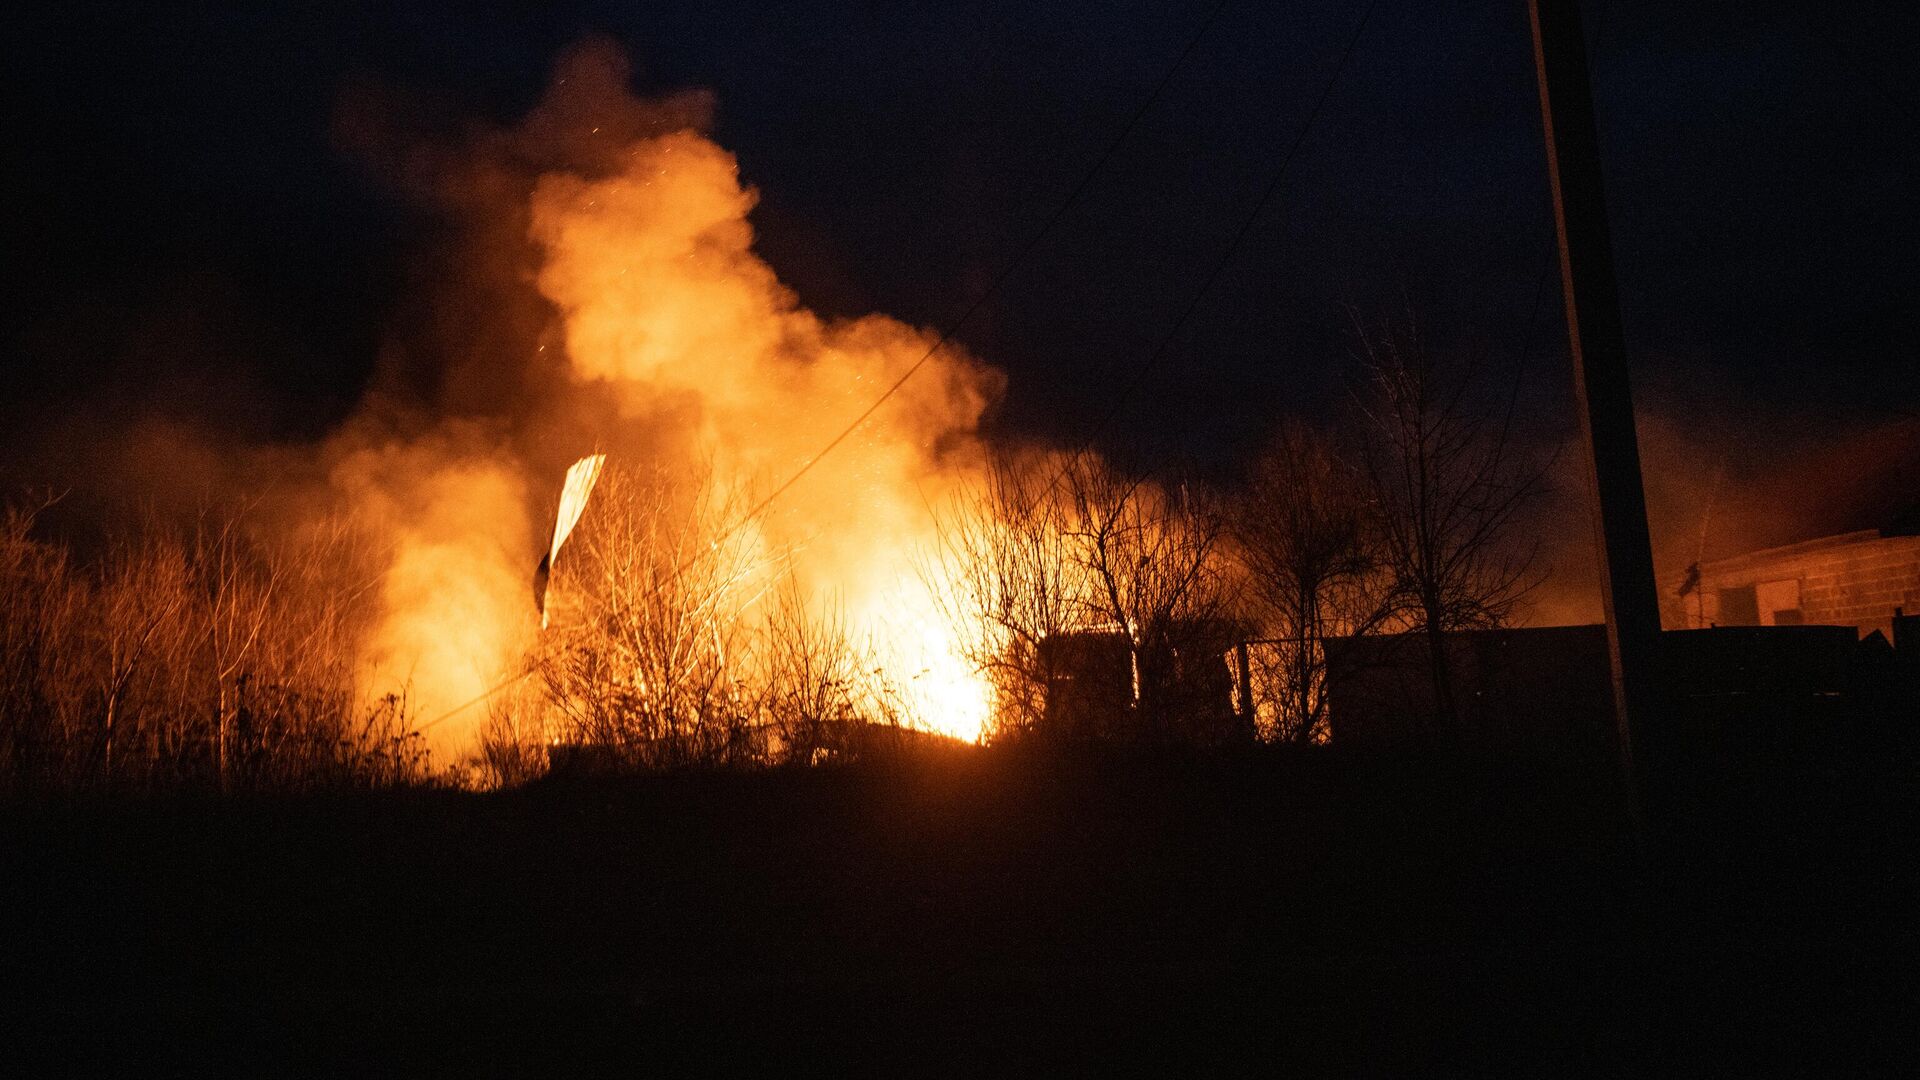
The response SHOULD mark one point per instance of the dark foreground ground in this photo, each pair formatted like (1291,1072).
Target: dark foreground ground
(980,913)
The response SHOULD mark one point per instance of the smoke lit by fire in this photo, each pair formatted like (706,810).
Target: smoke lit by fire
(679,347)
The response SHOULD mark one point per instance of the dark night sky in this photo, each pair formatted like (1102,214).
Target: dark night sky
(186,236)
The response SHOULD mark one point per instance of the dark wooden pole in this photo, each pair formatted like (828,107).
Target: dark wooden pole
(1628,588)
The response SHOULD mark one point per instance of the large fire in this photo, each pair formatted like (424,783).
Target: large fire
(709,362)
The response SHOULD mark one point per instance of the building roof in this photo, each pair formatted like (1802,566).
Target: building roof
(1804,547)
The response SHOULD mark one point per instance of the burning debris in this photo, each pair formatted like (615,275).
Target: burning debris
(581,476)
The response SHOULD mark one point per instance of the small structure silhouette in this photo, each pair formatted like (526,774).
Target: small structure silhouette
(1858,579)
(1536,688)
(1180,688)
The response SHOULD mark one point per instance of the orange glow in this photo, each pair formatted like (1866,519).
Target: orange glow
(453,597)
(664,304)
(694,357)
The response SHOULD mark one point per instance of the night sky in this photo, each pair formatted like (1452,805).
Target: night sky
(187,236)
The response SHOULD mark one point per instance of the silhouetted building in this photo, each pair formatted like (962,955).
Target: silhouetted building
(1509,686)
(1181,689)
(1552,685)
(1858,579)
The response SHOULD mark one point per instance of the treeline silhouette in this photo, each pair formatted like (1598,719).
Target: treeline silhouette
(196,657)
(1101,604)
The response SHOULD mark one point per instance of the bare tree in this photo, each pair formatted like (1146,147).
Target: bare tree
(43,599)
(1052,563)
(1306,538)
(240,601)
(141,591)
(817,684)
(652,638)
(1152,554)
(300,608)
(209,657)
(1008,579)
(1450,485)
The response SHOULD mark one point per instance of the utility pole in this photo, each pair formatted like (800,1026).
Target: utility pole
(1598,343)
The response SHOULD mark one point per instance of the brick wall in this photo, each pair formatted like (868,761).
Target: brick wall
(1856,579)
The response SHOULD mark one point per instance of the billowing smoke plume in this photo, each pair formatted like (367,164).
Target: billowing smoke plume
(1725,475)
(602,295)
(588,284)
(449,509)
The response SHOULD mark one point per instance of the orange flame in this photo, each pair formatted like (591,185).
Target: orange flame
(690,352)
(664,303)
